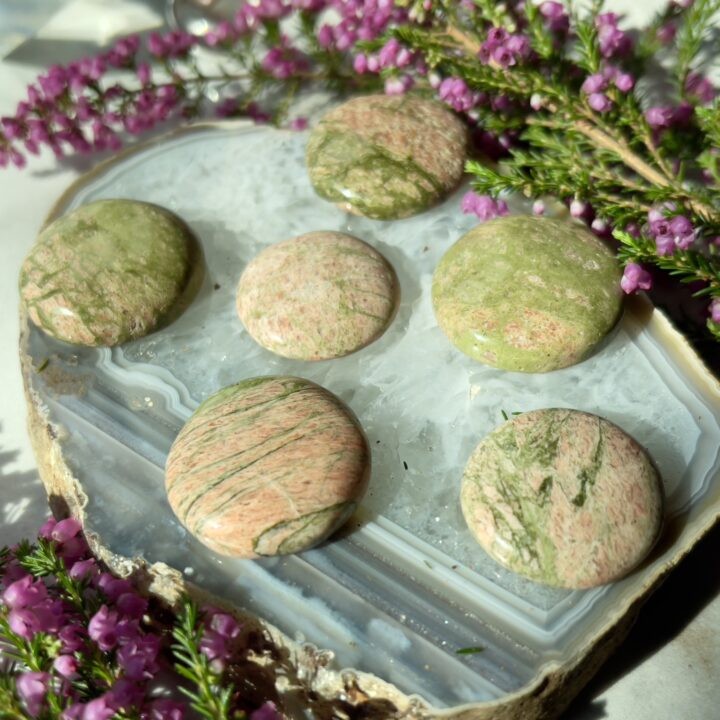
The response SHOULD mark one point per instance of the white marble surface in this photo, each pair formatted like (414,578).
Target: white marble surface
(668,667)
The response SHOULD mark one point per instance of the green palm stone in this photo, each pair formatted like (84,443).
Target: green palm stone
(527,294)
(107,272)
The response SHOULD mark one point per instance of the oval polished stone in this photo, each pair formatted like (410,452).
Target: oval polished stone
(387,157)
(317,296)
(563,497)
(527,294)
(107,272)
(270,466)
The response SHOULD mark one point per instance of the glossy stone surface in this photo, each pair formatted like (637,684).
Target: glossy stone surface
(387,157)
(317,296)
(563,497)
(527,294)
(270,466)
(107,272)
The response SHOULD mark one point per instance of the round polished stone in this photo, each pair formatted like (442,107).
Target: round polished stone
(387,157)
(270,466)
(107,272)
(527,294)
(563,497)
(317,296)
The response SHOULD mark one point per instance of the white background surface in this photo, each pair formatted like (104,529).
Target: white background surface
(668,669)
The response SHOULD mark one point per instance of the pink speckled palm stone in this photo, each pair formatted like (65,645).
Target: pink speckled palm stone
(317,296)
(270,466)
(563,497)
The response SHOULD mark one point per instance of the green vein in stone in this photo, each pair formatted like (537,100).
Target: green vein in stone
(587,476)
(233,472)
(306,530)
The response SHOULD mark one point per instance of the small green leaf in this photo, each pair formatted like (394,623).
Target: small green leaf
(470,650)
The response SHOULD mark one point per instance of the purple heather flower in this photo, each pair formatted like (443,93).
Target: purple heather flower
(72,638)
(73,712)
(664,244)
(48,526)
(484,206)
(519,46)
(23,622)
(502,56)
(457,94)
(325,36)
(624,82)
(224,625)
(578,208)
(124,694)
(715,310)
(388,53)
(131,605)
(555,16)
(360,64)
(85,568)
(65,530)
(612,40)
(666,33)
(24,593)
(102,628)
(166,709)
(299,123)
(659,117)
(682,232)
(138,657)
(635,278)
(496,36)
(66,666)
(32,688)
(113,587)
(682,114)
(284,61)
(214,646)
(398,85)
(699,87)
(599,226)
(599,102)
(538,207)
(595,83)
(101,708)
(267,711)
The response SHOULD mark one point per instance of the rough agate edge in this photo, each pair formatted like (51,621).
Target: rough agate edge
(563,497)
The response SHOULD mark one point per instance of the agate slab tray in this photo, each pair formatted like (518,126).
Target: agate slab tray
(377,616)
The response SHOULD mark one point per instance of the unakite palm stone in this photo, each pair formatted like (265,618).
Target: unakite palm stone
(107,272)
(528,294)
(563,497)
(387,157)
(270,466)
(317,296)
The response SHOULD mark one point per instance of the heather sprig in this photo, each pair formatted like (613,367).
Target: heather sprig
(78,643)
(558,93)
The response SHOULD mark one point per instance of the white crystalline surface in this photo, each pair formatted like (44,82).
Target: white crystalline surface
(422,403)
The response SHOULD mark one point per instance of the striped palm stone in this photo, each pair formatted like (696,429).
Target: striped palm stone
(106,272)
(270,466)
(563,497)
(387,157)
(317,296)
(527,294)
